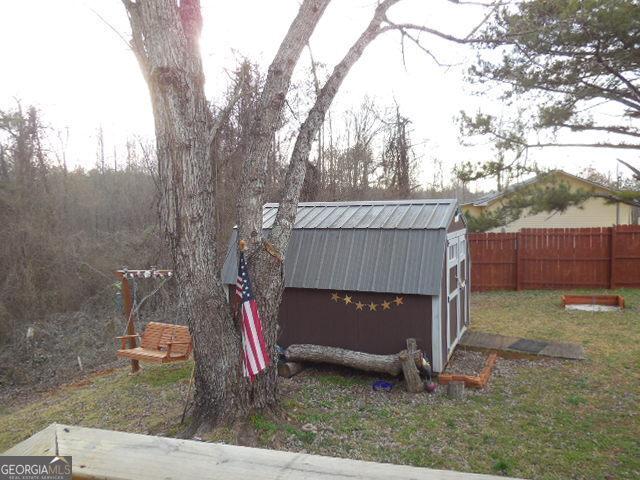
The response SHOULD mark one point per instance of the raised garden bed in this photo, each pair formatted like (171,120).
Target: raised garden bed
(472,381)
(593,302)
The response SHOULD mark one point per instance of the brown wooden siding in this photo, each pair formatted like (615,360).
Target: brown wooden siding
(551,258)
(311,316)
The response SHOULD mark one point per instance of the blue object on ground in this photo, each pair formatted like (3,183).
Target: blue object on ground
(382,385)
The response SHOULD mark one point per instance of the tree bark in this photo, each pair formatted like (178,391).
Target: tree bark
(266,263)
(165,41)
(267,257)
(267,121)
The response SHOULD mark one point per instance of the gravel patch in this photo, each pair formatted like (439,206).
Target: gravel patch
(466,362)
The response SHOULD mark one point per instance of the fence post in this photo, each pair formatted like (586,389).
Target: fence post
(519,264)
(612,257)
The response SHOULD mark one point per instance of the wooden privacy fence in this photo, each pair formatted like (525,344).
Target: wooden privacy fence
(555,258)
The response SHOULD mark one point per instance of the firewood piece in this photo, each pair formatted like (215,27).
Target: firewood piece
(409,369)
(389,364)
(289,369)
(455,389)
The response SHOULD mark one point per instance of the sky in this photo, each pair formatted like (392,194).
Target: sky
(70,59)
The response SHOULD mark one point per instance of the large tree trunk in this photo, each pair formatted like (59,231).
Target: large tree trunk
(165,41)
(265,262)
(268,256)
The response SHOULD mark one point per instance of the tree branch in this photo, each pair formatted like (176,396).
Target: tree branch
(618,75)
(137,43)
(432,31)
(221,119)
(617,199)
(270,106)
(611,129)
(285,217)
(636,172)
(625,146)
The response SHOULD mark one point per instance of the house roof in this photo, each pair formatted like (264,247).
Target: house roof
(485,200)
(390,246)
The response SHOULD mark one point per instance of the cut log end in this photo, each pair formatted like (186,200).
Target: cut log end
(455,390)
(289,369)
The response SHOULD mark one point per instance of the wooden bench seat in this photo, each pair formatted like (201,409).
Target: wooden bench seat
(160,343)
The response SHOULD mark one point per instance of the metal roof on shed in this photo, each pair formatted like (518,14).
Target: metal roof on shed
(399,214)
(390,247)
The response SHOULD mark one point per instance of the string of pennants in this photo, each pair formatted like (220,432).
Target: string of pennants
(349,301)
(152,273)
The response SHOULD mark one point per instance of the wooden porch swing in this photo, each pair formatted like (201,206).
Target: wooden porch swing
(160,342)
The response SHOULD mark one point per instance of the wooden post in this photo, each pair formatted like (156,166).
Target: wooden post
(127,310)
(455,390)
(612,259)
(519,263)
(411,375)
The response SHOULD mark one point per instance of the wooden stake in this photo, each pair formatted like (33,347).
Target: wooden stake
(127,307)
(455,390)
(411,375)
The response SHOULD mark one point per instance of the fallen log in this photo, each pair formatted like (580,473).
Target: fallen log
(389,364)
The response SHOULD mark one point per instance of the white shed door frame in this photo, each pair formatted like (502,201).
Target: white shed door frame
(456,252)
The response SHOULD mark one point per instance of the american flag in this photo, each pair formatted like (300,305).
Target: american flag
(256,357)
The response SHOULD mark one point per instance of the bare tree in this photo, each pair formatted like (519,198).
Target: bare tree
(165,40)
(398,163)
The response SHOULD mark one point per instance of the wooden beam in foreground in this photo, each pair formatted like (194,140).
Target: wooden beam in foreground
(104,454)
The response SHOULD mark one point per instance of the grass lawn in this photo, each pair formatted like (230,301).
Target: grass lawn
(546,419)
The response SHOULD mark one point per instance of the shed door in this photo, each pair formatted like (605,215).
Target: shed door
(463,290)
(452,291)
(456,287)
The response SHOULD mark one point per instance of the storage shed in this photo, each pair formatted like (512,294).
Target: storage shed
(366,276)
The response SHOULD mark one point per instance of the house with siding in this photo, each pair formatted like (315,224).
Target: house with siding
(594,212)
